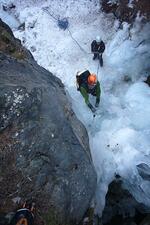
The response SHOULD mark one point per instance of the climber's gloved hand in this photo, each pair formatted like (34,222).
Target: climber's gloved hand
(97,102)
(91,107)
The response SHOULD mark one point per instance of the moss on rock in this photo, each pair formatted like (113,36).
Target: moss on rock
(10,45)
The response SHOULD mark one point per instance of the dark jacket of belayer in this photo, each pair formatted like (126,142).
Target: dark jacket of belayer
(97,47)
(23,213)
(83,87)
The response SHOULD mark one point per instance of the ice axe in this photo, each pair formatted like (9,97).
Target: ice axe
(96,113)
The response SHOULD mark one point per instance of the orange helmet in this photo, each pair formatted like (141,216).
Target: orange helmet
(92,79)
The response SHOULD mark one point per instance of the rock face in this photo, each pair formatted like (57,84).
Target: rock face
(10,45)
(44,150)
(127,10)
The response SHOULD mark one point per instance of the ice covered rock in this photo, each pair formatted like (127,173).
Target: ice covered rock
(121,206)
(126,11)
(144,171)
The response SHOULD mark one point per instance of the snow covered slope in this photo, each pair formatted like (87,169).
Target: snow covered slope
(120,133)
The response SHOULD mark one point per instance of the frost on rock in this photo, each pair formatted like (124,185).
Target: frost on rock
(13,104)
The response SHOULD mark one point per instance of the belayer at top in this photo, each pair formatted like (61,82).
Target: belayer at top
(97,48)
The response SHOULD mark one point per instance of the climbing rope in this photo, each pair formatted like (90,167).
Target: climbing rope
(98,68)
(49,13)
(83,49)
(77,43)
(63,24)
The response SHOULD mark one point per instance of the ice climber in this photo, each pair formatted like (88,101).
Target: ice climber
(25,215)
(97,48)
(87,83)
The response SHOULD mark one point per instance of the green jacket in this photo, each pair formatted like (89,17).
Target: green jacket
(85,91)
